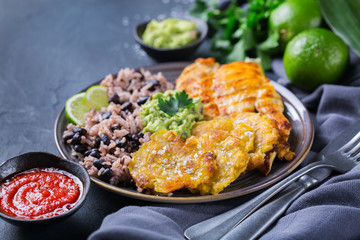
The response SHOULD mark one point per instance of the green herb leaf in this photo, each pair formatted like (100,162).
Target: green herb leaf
(238,52)
(246,43)
(173,105)
(170,106)
(265,58)
(199,10)
(272,42)
(230,27)
(183,99)
(222,44)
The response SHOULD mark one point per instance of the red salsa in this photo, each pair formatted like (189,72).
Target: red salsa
(39,193)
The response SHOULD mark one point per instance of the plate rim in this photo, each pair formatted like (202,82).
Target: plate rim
(284,92)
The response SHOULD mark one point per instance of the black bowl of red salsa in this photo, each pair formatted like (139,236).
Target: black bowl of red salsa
(41,188)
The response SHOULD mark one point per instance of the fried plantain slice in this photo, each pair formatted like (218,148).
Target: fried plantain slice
(166,163)
(266,142)
(231,144)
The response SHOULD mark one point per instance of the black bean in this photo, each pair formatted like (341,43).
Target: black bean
(153,88)
(119,143)
(135,137)
(142,77)
(126,106)
(81,131)
(142,100)
(76,139)
(87,153)
(106,115)
(140,134)
(129,149)
(135,144)
(106,166)
(104,138)
(81,148)
(106,175)
(116,127)
(97,142)
(98,163)
(154,84)
(128,136)
(115,99)
(68,136)
(95,153)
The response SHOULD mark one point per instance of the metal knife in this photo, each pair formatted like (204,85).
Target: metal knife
(258,222)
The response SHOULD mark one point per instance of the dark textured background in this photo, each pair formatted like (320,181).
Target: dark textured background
(50,50)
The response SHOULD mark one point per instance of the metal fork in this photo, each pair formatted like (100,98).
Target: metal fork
(342,160)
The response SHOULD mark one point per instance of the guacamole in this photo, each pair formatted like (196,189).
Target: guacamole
(180,122)
(170,33)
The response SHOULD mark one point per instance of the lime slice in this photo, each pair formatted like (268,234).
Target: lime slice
(96,96)
(74,109)
(81,103)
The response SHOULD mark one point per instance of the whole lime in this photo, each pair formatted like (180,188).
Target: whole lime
(294,16)
(314,57)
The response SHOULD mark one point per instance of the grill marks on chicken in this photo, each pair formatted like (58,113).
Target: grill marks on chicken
(235,88)
(196,79)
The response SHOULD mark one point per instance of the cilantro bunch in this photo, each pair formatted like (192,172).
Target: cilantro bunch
(240,31)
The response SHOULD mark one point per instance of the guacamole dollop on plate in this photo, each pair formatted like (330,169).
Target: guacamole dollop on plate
(180,122)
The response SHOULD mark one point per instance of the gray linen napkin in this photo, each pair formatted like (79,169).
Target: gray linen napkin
(332,211)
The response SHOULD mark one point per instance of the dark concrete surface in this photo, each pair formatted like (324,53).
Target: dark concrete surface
(50,50)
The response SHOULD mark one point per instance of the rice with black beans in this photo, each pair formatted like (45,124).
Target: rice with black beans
(104,145)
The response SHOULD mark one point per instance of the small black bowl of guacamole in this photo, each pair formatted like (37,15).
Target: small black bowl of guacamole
(171,39)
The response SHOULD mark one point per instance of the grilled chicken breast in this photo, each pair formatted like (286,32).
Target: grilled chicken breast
(196,79)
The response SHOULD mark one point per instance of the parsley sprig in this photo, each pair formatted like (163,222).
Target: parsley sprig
(172,106)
